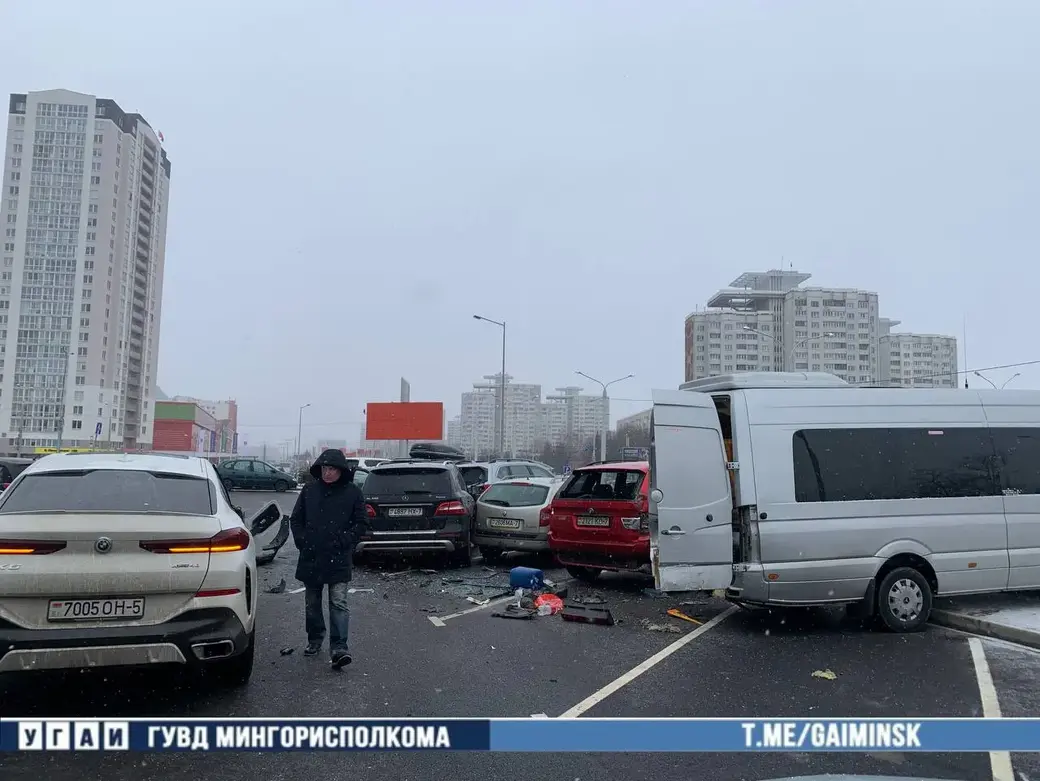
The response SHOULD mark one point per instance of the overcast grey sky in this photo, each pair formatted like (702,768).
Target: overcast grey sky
(353,180)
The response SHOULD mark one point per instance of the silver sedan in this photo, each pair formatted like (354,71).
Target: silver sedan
(513,515)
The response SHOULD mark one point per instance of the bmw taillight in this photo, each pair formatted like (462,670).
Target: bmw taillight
(227,541)
(450,508)
(370,511)
(29,547)
(483,488)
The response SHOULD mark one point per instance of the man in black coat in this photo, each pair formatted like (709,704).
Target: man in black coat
(327,521)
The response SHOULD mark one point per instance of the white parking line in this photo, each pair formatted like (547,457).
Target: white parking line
(999,761)
(597,697)
(439,620)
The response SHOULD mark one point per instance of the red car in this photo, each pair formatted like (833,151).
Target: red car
(599,520)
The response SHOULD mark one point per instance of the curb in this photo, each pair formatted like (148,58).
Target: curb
(980,626)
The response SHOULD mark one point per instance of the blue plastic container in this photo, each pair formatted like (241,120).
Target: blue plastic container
(526,577)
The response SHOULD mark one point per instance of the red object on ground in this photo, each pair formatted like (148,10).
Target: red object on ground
(554,602)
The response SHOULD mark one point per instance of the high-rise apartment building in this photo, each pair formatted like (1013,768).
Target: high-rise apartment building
(564,417)
(911,360)
(476,429)
(84,209)
(765,321)
(571,416)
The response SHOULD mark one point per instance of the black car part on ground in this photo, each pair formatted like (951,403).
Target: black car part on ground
(436,451)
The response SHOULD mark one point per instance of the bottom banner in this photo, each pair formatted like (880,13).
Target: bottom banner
(535,735)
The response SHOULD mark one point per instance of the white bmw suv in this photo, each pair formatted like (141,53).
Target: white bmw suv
(113,560)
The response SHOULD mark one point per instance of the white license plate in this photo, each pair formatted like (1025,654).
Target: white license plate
(404,512)
(115,609)
(504,523)
(593,520)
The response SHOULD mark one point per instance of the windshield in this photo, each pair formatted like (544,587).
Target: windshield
(473,475)
(405,481)
(109,491)
(515,494)
(605,484)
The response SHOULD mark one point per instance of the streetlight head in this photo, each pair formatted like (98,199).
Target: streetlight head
(477,317)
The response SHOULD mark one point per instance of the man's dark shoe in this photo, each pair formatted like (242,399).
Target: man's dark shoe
(340,658)
(312,649)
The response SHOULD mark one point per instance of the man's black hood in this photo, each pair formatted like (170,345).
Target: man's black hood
(333,457)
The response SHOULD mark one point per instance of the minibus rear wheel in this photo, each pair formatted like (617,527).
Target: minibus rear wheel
(904,600)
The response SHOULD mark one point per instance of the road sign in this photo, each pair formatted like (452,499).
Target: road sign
(635,454)
(97,429)
(567,469)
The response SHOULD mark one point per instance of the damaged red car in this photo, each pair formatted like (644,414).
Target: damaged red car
(600,520)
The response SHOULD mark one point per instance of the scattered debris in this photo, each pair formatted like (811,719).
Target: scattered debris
(424,582)
(279,589)
(539,716)
(589,599)
(360,590)
(653,593)
(548,604)
(827,675)
(668,628)
(480,602)
(514,611)
(676,613)
(286,651)
(587,614)
(430,609)
(429,571)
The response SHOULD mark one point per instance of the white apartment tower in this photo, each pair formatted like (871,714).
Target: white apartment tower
(765,321)
(84,209)
(911,360)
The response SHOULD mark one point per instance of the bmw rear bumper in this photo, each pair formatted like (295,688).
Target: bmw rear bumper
(194,638)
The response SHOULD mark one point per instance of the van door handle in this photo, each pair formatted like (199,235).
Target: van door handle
(675,531)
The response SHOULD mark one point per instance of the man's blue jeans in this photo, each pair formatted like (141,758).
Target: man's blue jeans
(339,615)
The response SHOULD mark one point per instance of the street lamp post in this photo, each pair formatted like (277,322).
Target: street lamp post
(64,382)
(794,347)
(1006,382)
(606,410)
(299,432)
(501,387)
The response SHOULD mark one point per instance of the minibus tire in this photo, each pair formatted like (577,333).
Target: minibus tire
(892,621)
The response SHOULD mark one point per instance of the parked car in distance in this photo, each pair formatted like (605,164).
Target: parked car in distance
(365,462)
(254,473)
(479,475)
(417,507)
(512,515)
(599,520)
(114,560)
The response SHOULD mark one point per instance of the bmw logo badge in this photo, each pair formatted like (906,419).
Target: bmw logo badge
(103,545)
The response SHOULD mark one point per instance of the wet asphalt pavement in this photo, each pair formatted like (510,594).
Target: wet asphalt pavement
(477,665)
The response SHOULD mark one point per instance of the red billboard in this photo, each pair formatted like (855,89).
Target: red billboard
(408,420)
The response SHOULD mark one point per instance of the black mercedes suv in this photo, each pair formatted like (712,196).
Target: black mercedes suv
(418,506)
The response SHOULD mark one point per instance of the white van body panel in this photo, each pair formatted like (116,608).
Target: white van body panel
(691,532)
(818,551)
(830,551)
